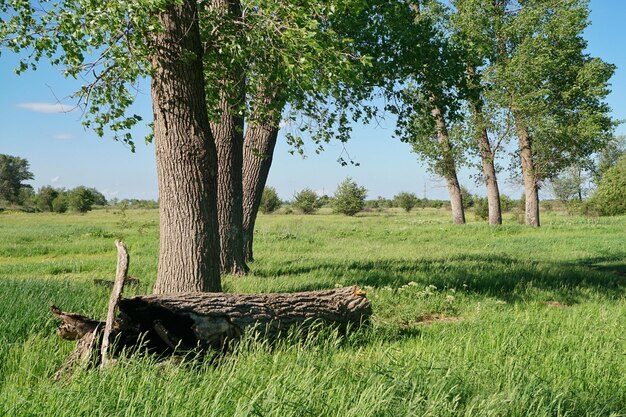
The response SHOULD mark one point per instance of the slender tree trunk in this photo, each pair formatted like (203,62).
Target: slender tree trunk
(185,157)
(448,165)
(228,133)
(486,153)
(531,183)
(258,151)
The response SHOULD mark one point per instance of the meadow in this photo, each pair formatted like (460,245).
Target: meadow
(468,320)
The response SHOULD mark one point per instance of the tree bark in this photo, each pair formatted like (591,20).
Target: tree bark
(176,323)
(228,133)
(486,153)
(531,182)
(185,156)
(448,165)
(258,150)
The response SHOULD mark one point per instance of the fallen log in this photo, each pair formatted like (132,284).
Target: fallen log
(168,324)
(211,320)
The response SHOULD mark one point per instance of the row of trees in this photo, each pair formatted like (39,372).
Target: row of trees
(225,72)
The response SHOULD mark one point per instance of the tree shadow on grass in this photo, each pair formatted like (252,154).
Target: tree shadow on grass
(497,276)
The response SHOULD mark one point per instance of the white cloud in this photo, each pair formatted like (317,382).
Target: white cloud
(63,136)
(55,179)
(46,107)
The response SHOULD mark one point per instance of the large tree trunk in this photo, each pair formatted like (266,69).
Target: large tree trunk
(168,324)
(531,182)
(448,166)
(486,154)
(257,159)
(228,133)
(185,156)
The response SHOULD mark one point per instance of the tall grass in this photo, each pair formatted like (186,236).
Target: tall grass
(470,320)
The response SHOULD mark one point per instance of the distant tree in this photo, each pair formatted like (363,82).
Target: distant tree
(610,197)
(406,200)
(13,172)
(324,200)
(306,200)
(98,198)
(60,203)
(81,199)
(481,208)
(349,198)
(45,197)
(467,198)
(608,157)
(270,201)
(569,185)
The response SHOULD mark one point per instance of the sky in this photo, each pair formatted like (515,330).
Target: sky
(38,124)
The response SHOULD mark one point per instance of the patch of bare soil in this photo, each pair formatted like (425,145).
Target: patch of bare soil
(428,319)
(556,304)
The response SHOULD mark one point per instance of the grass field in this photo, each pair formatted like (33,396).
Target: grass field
(471,320)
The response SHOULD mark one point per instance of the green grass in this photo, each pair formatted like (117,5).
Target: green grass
(534,319)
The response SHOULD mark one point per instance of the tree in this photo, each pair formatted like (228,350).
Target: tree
(608,157)
(306,200)
(112,46)
(554,91)
(610,197)
(405,200)
(13,172)
(349,198)
(569,185)
(60,203)
(45,197)
(81,199)
(98,198)
(270,201)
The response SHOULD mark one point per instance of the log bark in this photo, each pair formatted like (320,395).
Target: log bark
(167,324)
(186,156)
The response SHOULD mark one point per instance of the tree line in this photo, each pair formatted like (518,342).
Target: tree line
(463,78)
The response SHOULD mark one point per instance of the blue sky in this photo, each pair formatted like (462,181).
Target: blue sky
(63,154)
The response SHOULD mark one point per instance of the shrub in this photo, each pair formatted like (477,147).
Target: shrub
(506,202)
(45,197)
(349,198)
(81,199)
(270,201)
(306,200)
(60,203)
(467,197)
(610,197)
(481,208)
(406,200)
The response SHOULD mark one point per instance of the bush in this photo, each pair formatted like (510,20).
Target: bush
(306,200)
(81,199)
(467,198)
(610,197)
(60,203)
(481,208)
(406,200)
(45,197)
(270,201)
(506,203)
(349,198)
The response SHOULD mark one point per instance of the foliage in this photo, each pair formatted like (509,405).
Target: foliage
(608,157)
(467,198)
(569,184)
(270,201)
(610,197)
(506,203)
(81,199)
(481,208)
(45,197)
(306,200)
(13,172)
(349,198)
(60,204)
(406,200)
